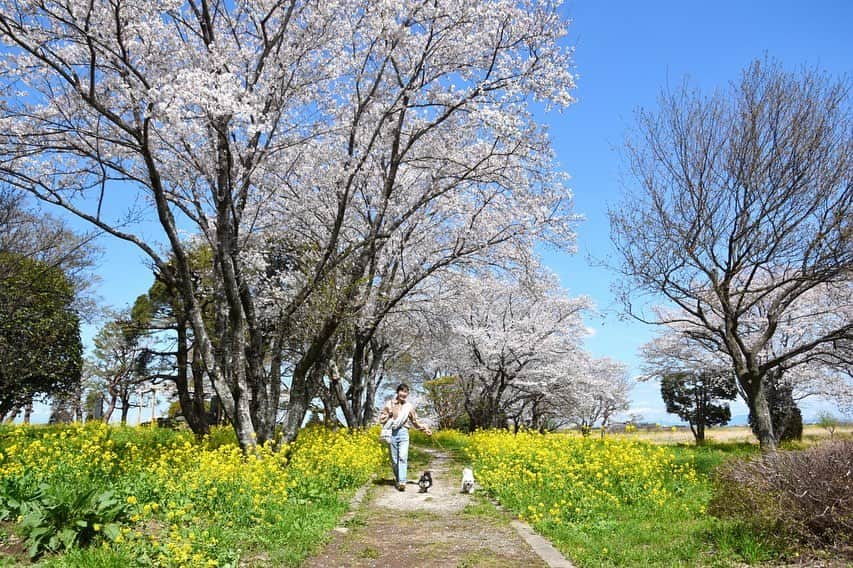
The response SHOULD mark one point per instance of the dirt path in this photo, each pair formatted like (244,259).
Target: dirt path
(441,528)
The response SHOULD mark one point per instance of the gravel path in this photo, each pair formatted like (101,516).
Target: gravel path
(441,528)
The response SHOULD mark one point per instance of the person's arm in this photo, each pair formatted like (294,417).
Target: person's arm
(413,417)
(385,414)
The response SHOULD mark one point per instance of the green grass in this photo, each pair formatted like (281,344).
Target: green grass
(674,535)
(418,460)
(708,457)
(224,525)
(661,537)
(642,533)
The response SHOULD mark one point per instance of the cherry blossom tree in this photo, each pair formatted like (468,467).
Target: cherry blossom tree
(308,145)
(742,208)
(597,389)
(824,371)
(509,341)
(436,162)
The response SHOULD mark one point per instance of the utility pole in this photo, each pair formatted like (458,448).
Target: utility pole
(153,403)
(139,393)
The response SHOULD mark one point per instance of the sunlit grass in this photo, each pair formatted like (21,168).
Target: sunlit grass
(617,501)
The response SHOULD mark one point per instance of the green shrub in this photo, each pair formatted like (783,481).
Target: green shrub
(60,517)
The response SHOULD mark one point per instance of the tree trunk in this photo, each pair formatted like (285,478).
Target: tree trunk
(372,381)
(369,411)
(125,410)
(758,405)
(357,377)
(307,377)
(302,392)
(195,420)
(9,413)
(273,384)
(700,419)
(108,413)
(336,390)
(198,390)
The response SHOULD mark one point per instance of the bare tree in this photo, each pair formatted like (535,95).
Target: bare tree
(741,207)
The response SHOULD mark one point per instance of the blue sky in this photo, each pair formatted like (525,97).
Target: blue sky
(626,51)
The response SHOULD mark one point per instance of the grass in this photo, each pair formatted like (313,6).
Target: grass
(672,535)
(676,532)
(187,503)
(418,460)
(481,509)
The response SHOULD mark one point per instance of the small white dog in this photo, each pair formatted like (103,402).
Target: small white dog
(467,480)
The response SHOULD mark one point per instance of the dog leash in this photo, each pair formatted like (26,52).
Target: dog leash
(436,442)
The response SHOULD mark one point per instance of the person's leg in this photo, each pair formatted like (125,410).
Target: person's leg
(403,456)
(394,450)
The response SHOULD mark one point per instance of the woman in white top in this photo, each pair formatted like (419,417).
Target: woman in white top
(402,413)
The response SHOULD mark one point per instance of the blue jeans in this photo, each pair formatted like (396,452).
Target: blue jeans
(399,447)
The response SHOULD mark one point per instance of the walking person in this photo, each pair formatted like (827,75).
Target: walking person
(402,413)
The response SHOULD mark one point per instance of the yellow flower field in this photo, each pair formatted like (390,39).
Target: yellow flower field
(560,478)
(172,500)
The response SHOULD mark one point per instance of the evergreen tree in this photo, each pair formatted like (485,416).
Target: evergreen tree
(40,348)
(696,399)
(784,413)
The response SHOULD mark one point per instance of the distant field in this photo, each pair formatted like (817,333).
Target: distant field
(665,435)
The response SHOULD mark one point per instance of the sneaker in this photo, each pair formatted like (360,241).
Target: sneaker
(401,487)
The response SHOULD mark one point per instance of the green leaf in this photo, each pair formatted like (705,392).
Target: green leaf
(111,530)
(67,537)
(33,551)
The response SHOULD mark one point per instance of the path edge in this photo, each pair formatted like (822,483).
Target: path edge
(544,549)
(354,504)
(540,545)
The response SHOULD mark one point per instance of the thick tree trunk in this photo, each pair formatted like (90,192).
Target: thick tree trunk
(372,381)
(759,407)
(370,401)
(263,403)
(273,386)
(194,416)
(302,391)
(125,410)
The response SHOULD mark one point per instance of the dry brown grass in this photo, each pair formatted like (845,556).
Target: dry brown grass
(803,495)
(729,434)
